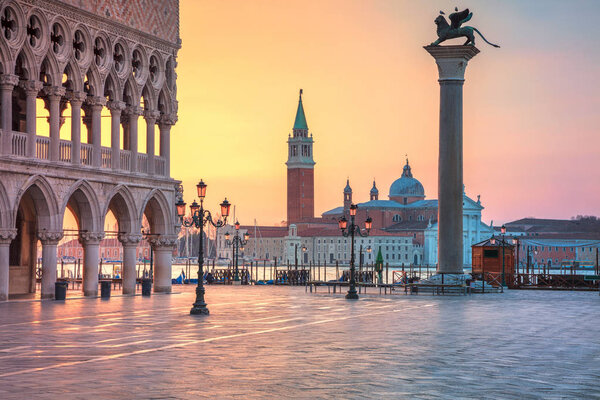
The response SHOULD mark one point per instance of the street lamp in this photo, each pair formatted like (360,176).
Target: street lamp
(351,231)
(236,243)
(503,231)
(199,218)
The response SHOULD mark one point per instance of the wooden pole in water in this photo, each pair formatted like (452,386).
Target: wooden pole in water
(324,272)
(337,271)
(387,272)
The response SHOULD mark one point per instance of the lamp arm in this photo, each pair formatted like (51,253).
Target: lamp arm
(207,216)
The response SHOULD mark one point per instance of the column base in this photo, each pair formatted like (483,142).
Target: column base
(447,279)
(162,289)
(352,295)
(199,310)
(128,291)
(90,293)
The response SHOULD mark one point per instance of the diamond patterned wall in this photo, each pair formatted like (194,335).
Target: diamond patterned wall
(156,17)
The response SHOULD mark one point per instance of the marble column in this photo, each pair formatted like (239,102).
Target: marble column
(162,246)
(96,104)
(32,89)
(76,100)
(164,126)
(6,237)
(54,95)
(151,118)
(49,242)
(90,241)
(7,84)
(132,114)
(115,107)
(452,63)
(128,273)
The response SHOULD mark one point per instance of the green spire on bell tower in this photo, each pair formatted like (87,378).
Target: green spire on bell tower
(300,122)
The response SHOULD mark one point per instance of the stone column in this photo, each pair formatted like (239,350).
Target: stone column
(49,241)
(151,118)
(164,126)
(163,246)
(76,100)
(128,273)
(452,63)
(31,88)
(115,107)
(7,83)
(91,255)
(133,113)
(54,95)
(6,237)
(96,104)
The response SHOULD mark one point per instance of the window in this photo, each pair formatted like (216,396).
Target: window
(397,218)
(490,253)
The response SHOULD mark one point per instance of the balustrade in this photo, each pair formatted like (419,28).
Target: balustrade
(106,156)
(64,151)
(42,147)
(125,160)
(19,144)
(42,152)
(86,154)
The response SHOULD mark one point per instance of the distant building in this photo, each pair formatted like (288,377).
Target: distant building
(110,249)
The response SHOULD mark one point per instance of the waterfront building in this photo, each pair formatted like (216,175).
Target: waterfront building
(80,61)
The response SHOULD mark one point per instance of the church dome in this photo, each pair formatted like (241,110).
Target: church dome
(406,185)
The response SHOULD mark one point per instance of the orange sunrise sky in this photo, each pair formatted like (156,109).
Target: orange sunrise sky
(531,120)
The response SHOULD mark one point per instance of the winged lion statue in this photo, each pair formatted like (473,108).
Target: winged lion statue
(455,29)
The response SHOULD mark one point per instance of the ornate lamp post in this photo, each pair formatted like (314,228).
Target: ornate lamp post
(199,218)
(351,231)
(236,243)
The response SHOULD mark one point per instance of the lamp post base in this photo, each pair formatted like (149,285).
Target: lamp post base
(352,294)
(199,310)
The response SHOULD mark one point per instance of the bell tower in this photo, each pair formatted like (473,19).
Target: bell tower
(300,170)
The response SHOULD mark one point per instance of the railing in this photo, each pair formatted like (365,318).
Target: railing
(142,164)
(86,153)
(64,151)
(159,166)
(42,147)
(19,144)
(125,160)
(106,157)
(65,148)
(539,281)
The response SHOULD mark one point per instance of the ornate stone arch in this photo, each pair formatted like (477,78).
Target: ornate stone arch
(122,203)
(36,19)
(50,72)
(45,201)
(5,212)
(131,95)
(75,80)
(13,30)
(159,212)
(82,52)
(92,83)
(156,70)
(84,204)
(64,51)
(164,102)
(112,89)
(26,66)
(149,96)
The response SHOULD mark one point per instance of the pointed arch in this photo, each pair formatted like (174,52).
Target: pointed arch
(92,84)
(112,89)
(149,97)
(159,212)
(50,73)
(83,202)
(131,95)
(164,102)
(25,65)
(45,202)
(122,203)
(75,81)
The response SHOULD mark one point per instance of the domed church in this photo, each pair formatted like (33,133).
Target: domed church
(407,211)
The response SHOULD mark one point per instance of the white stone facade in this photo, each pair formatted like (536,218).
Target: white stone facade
(74,59)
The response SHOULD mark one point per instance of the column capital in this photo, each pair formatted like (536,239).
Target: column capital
(7,235)
(54,92)
(7,81)
(115,106)
(49,237)
(162,241)
(129,239)
(31,87)
(77,97)
(151,115)
(452,60)
(134,110)
(95,102)
(167,120)
(86,238)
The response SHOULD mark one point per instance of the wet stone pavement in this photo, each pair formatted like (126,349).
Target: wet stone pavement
(280,342)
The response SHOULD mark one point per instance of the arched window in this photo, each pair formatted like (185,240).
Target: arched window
(397,218)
